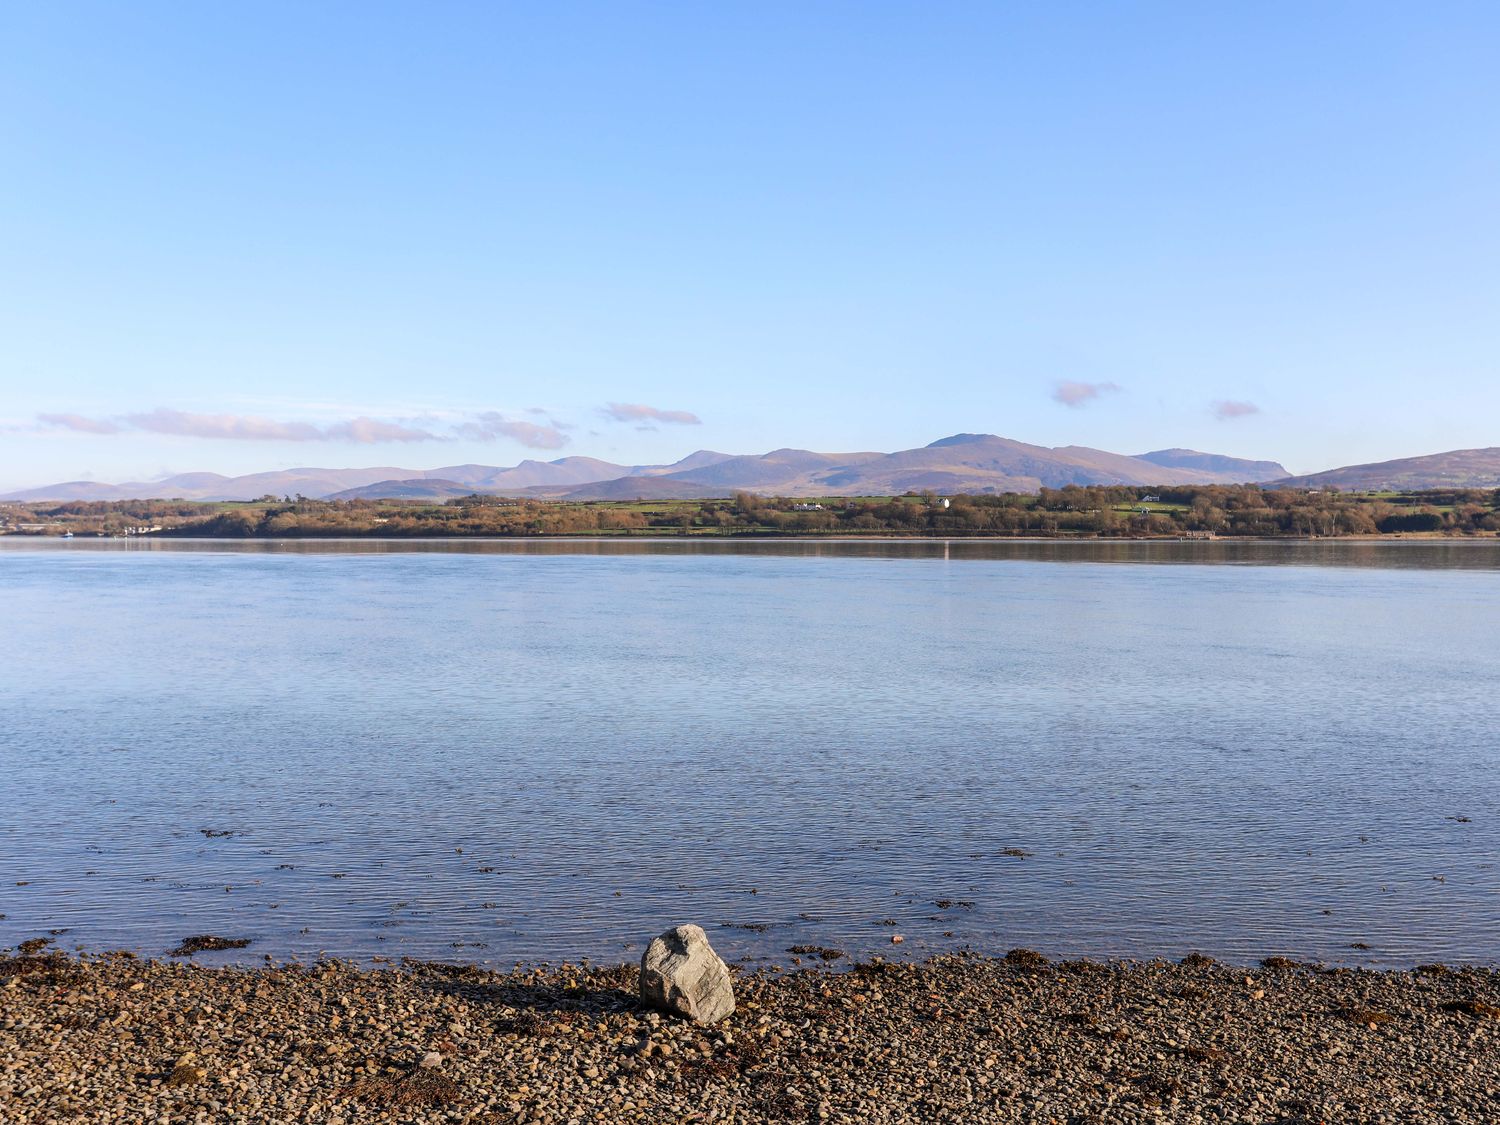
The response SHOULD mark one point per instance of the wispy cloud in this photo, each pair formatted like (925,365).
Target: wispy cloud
(253,427)
(639,412)
(486,426)
(240,427)
(367,431)
(79,423)
(1075,394)
(491,425)
(1227,409)
(233,427)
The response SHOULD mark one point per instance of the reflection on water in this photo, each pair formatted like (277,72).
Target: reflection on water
(548,749)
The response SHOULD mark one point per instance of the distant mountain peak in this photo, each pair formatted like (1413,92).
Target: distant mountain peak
(961,439)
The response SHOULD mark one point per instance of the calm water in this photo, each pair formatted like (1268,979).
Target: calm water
(543,751)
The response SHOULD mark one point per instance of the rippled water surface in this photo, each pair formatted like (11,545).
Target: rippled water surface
(502,751)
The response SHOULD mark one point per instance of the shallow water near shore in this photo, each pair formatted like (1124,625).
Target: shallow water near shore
(500,751)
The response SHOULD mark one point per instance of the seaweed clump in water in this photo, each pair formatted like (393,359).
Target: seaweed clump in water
(207,943)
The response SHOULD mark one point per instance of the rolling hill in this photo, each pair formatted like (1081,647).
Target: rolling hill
(1459,468)
(380,481)
(214,486)
(1214,463)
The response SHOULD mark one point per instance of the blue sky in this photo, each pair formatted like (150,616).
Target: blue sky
(249,236)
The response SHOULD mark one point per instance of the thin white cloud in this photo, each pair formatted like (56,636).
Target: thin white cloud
(79,423)
(253,427)
(1074,394)
(546,432)
(241,427)
(367,431)
(232,427)
(1226,410)
(639,412)
(551,417)
(492,425)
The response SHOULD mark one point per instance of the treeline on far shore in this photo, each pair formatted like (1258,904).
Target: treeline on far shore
(1072,511)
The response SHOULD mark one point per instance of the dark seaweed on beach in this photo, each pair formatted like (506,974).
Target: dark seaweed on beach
(1026,959)
(416,1087)
(521,1023)
(1473,1008)
(50,968)
(207,943)
(1370,1017)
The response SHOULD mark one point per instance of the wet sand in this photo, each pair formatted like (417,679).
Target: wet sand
(954,1039)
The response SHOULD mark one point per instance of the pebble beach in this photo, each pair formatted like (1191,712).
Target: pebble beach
(113,1038)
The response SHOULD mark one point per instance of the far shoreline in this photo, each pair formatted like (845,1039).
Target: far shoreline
(758,537)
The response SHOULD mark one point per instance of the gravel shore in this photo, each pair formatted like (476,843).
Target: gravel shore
(960,1039)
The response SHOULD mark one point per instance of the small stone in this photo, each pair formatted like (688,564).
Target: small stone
(431,1060)
(681,974)
(897,939)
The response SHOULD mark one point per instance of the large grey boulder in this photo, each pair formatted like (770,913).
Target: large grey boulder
(681,974)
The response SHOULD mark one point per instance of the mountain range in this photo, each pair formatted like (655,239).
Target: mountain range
(961,463)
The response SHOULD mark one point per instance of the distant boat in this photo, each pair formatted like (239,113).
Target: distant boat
(67,535)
